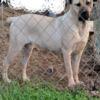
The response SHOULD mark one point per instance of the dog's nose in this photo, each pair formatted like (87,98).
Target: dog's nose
(83,15)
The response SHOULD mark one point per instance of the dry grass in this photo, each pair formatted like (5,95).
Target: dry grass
(41,60)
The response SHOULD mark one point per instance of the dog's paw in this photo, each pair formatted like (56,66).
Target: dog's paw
(76,86)
(71,85)
(7,80)
(80,83)
(26,79)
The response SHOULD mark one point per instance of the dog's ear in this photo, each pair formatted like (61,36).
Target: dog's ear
(70,1)
(95,0)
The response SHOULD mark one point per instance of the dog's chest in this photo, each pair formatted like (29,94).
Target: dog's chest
(84,34)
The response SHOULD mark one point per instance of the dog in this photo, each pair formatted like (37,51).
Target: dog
(68,33)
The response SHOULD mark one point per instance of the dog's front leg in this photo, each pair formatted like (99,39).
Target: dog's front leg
(75,66)
(27,51)
(68,67)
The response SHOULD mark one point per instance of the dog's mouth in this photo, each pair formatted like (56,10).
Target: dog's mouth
(83,15)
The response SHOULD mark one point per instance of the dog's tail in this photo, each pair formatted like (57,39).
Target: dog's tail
(9,20)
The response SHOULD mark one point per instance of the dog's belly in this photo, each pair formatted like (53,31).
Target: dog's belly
(51,41)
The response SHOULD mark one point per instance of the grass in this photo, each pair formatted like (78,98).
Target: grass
(28,91)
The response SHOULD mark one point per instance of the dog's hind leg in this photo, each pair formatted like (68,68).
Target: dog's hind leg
(27,50)
(14,50)
(68,67)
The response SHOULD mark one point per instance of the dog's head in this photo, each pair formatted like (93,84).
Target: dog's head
(83,8)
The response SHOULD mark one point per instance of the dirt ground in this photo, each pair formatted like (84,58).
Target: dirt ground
(42,60)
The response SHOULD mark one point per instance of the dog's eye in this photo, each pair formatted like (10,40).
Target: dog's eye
(78,4)
(88,3)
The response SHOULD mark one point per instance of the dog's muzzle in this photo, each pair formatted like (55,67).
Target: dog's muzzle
(83,15)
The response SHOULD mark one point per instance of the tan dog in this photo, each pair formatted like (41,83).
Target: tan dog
(68,33)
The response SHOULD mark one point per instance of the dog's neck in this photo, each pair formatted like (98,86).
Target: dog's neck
(75,16)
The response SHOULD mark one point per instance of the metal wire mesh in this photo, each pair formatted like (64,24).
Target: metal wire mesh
(42,59)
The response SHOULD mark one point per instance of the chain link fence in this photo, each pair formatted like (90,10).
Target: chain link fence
(43,60)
